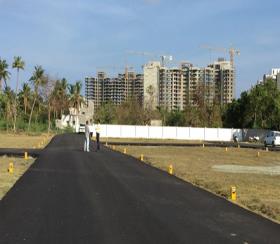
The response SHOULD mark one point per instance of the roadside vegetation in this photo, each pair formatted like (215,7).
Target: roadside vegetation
(257,108)
(34,105)
(7,180)
(257,178)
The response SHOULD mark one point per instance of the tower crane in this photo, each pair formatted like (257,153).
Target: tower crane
(163,57)
(232,51)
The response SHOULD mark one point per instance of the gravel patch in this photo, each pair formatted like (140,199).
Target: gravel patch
(230,168)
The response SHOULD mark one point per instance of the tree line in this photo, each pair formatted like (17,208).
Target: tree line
(34,104)
(257,108)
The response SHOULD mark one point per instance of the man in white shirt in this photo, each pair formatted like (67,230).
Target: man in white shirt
(87,134)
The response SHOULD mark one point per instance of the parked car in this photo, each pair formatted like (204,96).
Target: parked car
(82,128)
(272,138)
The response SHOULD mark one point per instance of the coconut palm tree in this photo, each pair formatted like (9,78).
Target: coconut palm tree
(76,99)
(37,79)
(26,93)
(8,98)
(4,73)
(17,64)
(63,95)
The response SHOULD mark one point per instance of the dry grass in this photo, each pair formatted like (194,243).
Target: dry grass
(7,180)
(258,192)
(8,140)
(144,140)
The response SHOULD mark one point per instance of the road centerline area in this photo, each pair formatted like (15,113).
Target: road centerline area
(70,196)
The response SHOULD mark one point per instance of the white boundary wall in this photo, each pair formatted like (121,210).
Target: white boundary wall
(166,132)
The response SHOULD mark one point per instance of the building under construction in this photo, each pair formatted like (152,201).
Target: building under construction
(165,87)
(102,89)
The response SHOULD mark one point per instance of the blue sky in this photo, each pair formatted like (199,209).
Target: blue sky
(71,38)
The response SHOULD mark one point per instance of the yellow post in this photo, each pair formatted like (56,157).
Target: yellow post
(170,169)
(124,150)
(142,157)
(11,168)
(258,154)
(26,155)
(233,193)
(203,145)
(114,147)
(226,149)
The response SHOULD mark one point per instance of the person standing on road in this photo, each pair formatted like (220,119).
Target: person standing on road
(97,130)
(91,126)
(87,134)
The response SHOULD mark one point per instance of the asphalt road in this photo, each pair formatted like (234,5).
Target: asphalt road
(69,196)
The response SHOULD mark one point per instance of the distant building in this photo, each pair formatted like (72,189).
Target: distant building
(275,76)
(224,80)
(166,87)
(151,84)
(171,88)
(116,90)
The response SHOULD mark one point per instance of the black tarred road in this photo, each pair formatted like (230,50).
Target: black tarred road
(68,196)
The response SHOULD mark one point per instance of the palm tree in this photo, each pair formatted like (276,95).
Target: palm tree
(37,80)
(8,97)
(17,64)
(63,95)
(26,93)
(76,99)
(4,73)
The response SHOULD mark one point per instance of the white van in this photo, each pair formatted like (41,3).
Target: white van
(272,138)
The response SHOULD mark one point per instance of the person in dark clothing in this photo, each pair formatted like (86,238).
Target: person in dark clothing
(97,130)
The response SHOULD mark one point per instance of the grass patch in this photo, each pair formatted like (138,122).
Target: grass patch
(145,140)
(7,180)
(258,192)
(22,140)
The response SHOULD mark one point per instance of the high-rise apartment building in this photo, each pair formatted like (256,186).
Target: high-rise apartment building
(151,84)
(170,88)
(224,80)
(116,90)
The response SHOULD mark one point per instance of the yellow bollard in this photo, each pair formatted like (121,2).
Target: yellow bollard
(258,154)
(124,150)
(233,193)
(203,145)
(26,155)
(142,157)
(114,147)
(11,168)
(170,169)
(226,149)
